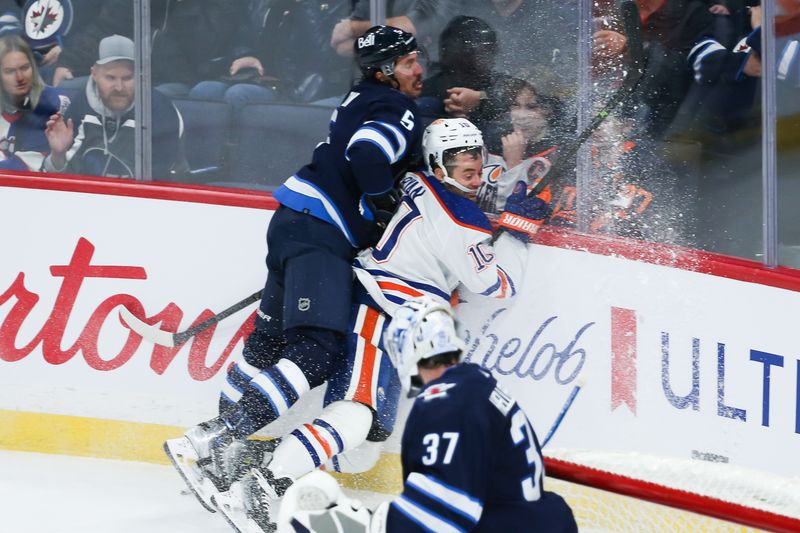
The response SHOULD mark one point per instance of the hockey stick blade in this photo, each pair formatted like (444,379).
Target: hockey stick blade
(147,331)
(166,338)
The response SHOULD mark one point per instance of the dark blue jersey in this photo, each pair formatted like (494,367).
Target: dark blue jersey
(472,462)
(373,134)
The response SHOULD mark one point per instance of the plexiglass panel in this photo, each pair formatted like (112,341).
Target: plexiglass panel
(64,96)
(242,91)
(787,89)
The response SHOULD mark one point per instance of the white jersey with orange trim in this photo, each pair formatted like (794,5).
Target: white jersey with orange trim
(436,241)
(499,180)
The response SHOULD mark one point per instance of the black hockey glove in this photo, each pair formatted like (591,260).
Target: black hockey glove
(379,209)
(524,215)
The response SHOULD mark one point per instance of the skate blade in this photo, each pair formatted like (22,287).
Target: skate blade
(184,459)
(234,513)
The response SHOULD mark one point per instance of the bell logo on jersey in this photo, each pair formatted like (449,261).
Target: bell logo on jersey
(436,391)
(369,40)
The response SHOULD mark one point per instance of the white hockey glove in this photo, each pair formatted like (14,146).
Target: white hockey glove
(315,503)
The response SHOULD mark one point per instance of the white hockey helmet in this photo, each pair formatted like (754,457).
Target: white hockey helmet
(420,329)
(447,137)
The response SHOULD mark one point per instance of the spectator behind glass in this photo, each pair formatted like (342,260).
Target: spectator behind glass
(189,39)
(535,40)
(670,31)
(533,124)
(423,18)
(103,144)
(92,20)
(465,83)
(26,104)
(282,53)
(47,43)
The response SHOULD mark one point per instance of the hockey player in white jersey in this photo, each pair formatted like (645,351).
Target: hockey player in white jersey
(471,459)
(438,240)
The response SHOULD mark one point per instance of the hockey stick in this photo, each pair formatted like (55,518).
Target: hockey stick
(631,22)
(166,338)
(564,409)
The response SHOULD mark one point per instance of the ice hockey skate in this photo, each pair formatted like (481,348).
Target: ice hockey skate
(250,506)
(209,459)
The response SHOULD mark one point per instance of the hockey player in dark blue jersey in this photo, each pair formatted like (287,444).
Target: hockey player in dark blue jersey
(329,209)
(471,460)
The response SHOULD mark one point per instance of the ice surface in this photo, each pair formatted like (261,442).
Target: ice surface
(42,493)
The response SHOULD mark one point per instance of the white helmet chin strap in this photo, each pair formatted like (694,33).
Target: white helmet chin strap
(463,188)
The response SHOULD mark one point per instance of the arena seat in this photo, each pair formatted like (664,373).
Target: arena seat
(275,140)
(207,133)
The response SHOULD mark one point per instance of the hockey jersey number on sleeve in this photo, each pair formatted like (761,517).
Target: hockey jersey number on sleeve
(480,256)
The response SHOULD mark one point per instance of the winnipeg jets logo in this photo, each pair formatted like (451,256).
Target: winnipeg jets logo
(742,47)
(436,391)
(304,304)
(44,18)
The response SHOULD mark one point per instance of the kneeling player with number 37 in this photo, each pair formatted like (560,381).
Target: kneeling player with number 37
(437,240)
(471,460)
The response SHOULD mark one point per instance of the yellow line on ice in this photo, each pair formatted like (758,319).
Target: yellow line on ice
(138,441)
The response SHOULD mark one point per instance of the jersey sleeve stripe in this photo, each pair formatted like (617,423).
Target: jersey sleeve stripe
(699,53)
(503,288)
(385,285)
(401,140)
(450,497)
(427,520)
(424,287)
(299,194)
(372,135)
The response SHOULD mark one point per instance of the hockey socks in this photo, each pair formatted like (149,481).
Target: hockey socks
(260,351)
(342,426)
(268,395)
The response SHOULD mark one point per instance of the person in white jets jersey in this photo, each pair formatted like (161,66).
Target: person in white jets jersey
(437,240)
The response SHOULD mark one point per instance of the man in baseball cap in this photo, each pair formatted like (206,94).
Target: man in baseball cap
(101,141)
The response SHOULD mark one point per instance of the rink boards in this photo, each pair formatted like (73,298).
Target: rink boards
(677,354)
